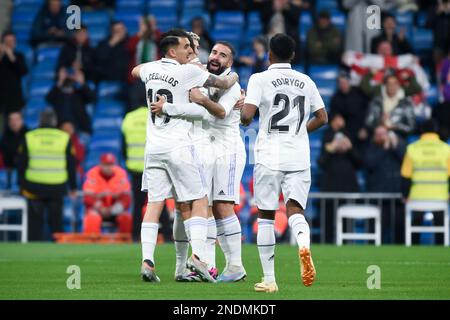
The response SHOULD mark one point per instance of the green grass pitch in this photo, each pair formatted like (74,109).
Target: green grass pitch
(38,271)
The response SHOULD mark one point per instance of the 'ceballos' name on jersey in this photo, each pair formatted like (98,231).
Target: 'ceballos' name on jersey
(166,77)
(285,99)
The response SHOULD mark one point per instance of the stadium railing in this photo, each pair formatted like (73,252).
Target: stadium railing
(323,199)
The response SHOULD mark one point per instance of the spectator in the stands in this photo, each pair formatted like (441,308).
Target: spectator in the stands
(91,5)
(282,16)
(12,69)
(80,150)
(439,21)
(69,98)
(441,113)
(49,26)
(351,103)
(339,161)
(398,41)
(382,161)
(392,109)
(77,54)
(142,48)
(111,55)
(206,43)
(12,136)
(259,59)
(324,41)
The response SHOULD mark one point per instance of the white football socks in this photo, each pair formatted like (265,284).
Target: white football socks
(233,238)
(222,241)
(149,237)
(210,257)
(300,228)
(266,247)
(181,243)
(198,229)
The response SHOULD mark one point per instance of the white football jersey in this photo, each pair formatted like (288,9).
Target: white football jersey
(169,78)
(285,99)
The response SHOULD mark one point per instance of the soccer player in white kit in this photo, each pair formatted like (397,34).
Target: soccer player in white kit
(285,98)
(229,155)
(171,161)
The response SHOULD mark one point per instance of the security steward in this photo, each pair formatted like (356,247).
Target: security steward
(134,128)
(46,168)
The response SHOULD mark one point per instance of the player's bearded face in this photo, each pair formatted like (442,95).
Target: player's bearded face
(219,59)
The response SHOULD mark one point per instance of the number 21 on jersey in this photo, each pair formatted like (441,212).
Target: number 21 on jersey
(282,99)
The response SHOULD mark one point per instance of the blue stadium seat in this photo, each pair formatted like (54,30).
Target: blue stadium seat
(165,16)
(338,19)
(23,14)
(3,179)
(48,54)
(40,88)
(130,4)
(306,23)
(254,21)
(229,20)
(323,72)
(98,33)
(171,5)
(109,89)
(106,123)
(28,2)
(404,18)
(422,19)
(43,71)
(422,40)
(244,75)
(412,138)
(432,95)
(36,104)
(192,5)
(128,17)
(31,121)
(110,108)
(233,37)
(299,68)
(95,18)
(27,51)
(326,5)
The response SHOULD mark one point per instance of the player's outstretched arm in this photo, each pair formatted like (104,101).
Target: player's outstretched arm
(214,108)
(136,71)
(320,119)
(248,111)
(221,82)
(191,111)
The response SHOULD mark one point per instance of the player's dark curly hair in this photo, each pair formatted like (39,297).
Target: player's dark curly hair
(282,47)
(170,39)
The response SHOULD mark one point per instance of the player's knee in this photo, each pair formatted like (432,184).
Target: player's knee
(293,207)
(266,214)
(223,209)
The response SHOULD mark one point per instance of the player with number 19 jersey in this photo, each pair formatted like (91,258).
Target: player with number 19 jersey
(172,165)
(285,98)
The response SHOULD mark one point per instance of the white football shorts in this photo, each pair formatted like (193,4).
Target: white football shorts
(268,184)
(178,173)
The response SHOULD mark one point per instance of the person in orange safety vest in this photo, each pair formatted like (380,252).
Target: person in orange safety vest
(107,196)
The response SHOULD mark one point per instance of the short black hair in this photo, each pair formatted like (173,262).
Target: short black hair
(7,33)
(228,45)
(429,125)
(282,47)
(170,39)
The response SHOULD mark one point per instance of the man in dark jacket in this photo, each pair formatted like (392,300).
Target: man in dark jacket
(400,44)
(112,56)
(46,168)
(69,98)
(50,24)
(12,69)
(382,161)
(339,161)
(9,144)
(77,54)
(351,103)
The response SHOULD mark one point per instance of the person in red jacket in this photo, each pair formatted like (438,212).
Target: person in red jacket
(107,196)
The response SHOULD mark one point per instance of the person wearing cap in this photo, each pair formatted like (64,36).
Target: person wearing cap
(324,41)
(46,168)
(107,196)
